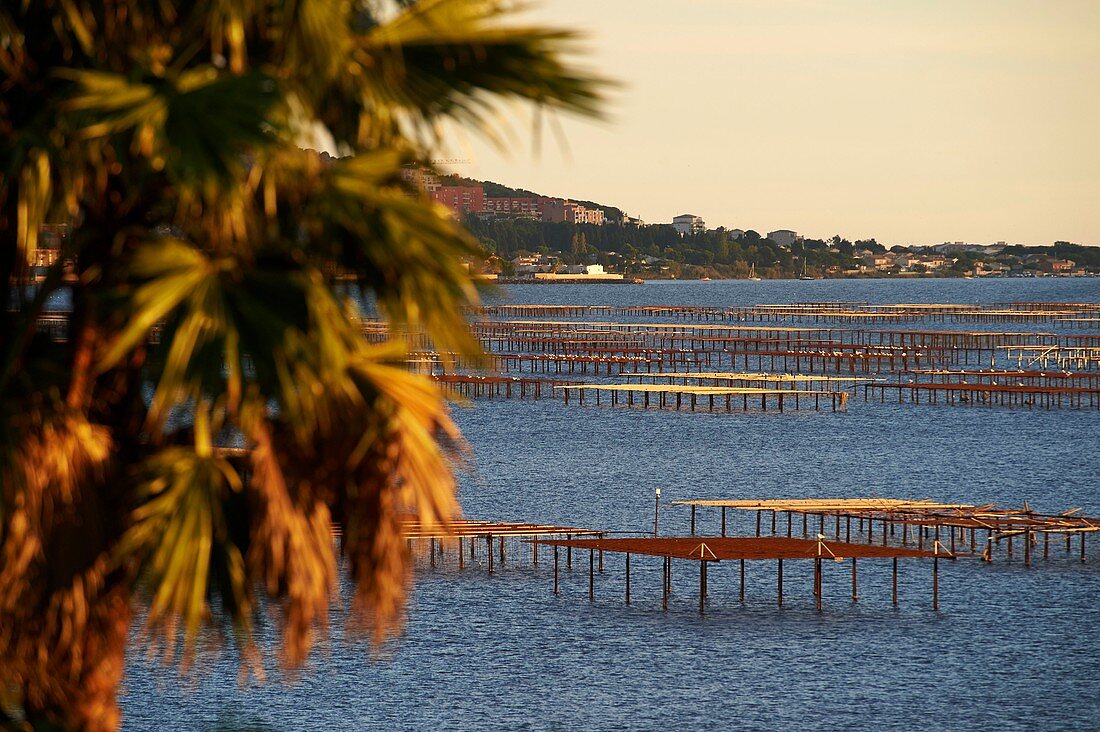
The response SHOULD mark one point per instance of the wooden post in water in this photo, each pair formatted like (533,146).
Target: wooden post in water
(591,575)
(895,595)
(628,578)
(664,583)
(936,578)
(489,550)
(855,588)
(555,569)
(817,582)
(702,586)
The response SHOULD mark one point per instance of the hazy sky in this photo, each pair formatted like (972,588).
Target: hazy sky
(913,121)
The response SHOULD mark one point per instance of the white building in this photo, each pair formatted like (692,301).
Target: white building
(784,237)
(688,224)
(595,270)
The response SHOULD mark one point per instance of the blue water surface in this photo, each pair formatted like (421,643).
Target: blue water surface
(1011,648)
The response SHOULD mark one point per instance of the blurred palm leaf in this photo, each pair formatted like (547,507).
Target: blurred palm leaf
(199,124)
(420,284)
(455,58)
(180,530)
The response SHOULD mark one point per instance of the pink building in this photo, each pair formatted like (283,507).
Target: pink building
(461,199)
(527,207)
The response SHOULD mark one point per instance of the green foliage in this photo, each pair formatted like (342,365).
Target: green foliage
(507,236)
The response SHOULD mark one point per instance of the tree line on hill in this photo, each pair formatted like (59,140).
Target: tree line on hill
(717,248)
(719,252)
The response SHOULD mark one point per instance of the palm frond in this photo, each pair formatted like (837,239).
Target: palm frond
(291,552)
(169,271)
(180,530)
(215,119)
(34,197)
(402,466)
(419,283)
(197,125)
(65,613)
(456,58)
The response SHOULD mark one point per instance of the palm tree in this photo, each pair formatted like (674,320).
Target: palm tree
(205,312)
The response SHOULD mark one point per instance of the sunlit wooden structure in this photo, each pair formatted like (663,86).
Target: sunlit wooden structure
(906,522)
(713,550)
(729,398)
(481,539)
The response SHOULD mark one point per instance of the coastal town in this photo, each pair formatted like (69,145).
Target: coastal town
(532,237)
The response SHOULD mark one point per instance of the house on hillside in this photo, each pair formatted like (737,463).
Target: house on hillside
(784,237)
(688,224)
(1056,266)
(559,209)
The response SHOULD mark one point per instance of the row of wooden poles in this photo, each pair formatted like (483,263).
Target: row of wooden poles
(838,354)
(706,335)
(1064,314)
(744,398)
(698,398)
(832,358)
(490,549)
(493,550)
(666,581)
(962,393)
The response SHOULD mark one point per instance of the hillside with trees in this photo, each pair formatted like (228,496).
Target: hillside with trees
(658,250)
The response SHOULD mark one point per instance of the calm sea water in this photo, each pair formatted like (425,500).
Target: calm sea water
(1011,648)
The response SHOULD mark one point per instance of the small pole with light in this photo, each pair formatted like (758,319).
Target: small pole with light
(656,511)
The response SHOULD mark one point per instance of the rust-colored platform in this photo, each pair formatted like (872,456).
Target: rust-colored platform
(711,548)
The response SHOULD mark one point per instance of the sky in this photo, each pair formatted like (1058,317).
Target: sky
(911,121)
